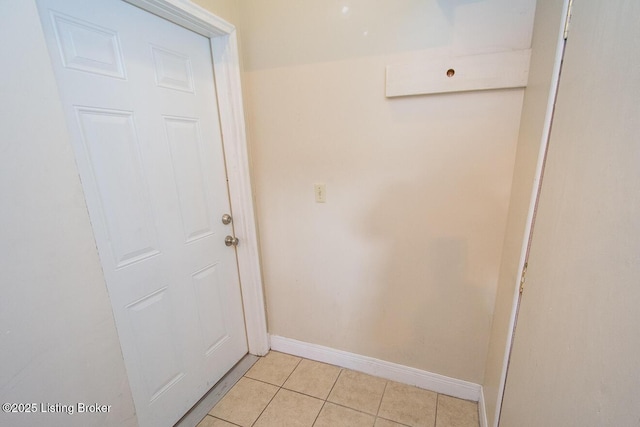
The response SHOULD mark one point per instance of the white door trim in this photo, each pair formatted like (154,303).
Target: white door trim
(227,73)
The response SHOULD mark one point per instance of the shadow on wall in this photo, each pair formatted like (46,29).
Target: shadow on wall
(423,304)
(449,7)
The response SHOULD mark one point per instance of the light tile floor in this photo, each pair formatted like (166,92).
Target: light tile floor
(282,390)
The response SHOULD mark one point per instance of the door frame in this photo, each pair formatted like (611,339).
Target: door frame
(226,65)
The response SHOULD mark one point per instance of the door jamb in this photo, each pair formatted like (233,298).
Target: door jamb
(224,49)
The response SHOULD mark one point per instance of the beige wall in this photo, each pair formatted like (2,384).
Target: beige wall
(228,10)
(58,341)
(402,261)
(545,39)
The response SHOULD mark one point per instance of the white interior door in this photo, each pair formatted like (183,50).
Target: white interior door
(140,103)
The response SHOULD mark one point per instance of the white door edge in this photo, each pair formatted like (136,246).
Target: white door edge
(226,64)
(544,143)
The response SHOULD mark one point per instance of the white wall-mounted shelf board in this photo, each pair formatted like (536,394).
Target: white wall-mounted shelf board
(500,70)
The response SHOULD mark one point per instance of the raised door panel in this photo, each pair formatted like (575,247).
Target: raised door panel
(212,311)
(88,47)
(184,138)
(173,70)
(151,319)
(112,147)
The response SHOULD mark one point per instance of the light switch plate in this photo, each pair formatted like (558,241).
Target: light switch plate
(320,191)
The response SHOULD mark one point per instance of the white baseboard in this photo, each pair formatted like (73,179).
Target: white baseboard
(391,371)
(482,410)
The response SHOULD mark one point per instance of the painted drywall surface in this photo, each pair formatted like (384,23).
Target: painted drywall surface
(545,36)
(401,262)
(58,340)
(283,33)
(229,10)
(575,357)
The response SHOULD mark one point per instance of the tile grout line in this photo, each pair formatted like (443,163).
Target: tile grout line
(221,419)
(392,421)
(266,406)
(304,394)
(375,416)
(334,385)
(382,397)
(309,395)
(355,410)
(435,419)
(318,414)
(292,371)
(276,393)
(263,382)
(328,394)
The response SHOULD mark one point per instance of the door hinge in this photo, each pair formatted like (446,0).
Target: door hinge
(567,20)
(523,277)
